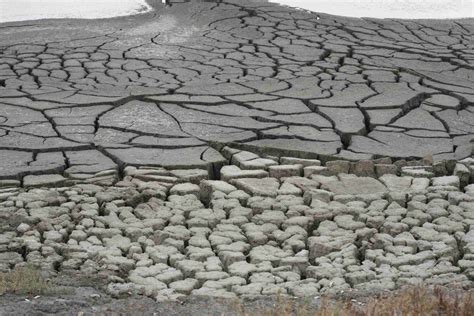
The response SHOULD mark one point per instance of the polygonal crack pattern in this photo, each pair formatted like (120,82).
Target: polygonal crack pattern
(169,88)
(113,157)
(271,226)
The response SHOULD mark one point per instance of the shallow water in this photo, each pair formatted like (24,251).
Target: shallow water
(22,10)
(403,9)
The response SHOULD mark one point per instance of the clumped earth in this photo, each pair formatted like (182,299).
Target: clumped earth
(231,150)
(271,226)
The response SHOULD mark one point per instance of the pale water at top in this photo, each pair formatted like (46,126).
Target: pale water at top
(402,9)
(22,10)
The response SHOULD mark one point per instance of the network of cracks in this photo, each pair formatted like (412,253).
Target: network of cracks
(271,226)
(171,88)
(114,158)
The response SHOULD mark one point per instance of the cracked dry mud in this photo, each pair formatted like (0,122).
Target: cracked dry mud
(169,88)
(271,226)
(235,148)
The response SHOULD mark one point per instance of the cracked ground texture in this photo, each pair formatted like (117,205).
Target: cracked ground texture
(271,226)
(238,148)
(169,88)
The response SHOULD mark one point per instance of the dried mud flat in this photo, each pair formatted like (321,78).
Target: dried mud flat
(270,227)
(170,88)
(233,150)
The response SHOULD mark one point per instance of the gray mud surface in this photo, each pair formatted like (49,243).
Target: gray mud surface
(214,151)
(171,87)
